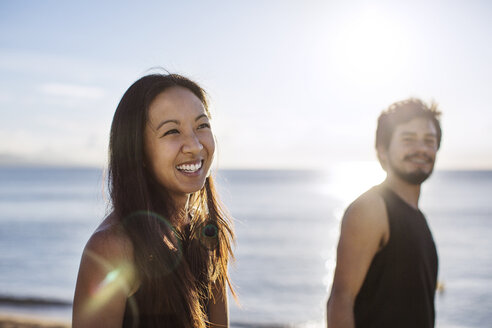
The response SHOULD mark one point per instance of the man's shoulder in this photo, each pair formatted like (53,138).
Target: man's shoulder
(368,207)
(366,220)
(368,201)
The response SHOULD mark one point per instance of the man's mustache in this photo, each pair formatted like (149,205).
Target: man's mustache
(427,158)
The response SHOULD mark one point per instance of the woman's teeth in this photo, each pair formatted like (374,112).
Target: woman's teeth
(190,167)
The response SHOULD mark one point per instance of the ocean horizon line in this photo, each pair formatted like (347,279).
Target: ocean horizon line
(227,169)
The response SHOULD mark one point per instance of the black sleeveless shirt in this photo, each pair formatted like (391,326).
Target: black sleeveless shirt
(400,285)
(133,319)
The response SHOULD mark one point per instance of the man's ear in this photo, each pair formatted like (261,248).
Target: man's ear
(382,154)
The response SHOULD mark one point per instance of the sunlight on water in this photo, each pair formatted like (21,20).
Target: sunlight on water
(329,257)
(347,180)
(311,324)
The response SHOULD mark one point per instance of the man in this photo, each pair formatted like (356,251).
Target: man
(386,259)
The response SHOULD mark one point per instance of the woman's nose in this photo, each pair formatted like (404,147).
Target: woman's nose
(192,144)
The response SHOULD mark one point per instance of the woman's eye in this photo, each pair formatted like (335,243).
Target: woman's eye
(173,131)
(204,125)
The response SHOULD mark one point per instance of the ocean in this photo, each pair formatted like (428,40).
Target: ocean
(287,226)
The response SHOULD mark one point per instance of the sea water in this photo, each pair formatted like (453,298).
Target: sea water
(287,226)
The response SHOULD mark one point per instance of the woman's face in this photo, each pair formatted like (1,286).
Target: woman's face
(179,145)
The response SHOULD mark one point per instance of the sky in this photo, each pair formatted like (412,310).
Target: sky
(292,84)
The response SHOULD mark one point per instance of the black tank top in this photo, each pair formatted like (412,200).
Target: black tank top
(400,285)
(133,319)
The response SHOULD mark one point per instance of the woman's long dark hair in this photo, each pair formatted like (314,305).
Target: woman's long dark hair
(175,268)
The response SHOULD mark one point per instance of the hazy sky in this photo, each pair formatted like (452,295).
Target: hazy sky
(293,84)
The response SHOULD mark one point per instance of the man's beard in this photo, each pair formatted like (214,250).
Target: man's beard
(416,177)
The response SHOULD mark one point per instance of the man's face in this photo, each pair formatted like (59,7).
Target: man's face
(412,151)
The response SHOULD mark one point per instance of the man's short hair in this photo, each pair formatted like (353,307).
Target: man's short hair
(403,112)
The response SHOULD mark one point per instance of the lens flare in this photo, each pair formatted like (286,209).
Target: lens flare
(116,283)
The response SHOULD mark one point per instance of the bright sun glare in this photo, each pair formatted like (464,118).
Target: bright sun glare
(371,46)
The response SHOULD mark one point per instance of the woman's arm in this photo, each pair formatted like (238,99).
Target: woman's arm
(104,281)
(218,307)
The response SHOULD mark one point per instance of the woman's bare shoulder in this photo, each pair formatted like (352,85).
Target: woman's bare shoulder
(110,241)
(106,274)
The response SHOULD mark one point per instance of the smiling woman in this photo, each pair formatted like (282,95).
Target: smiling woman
(179,142)
(160,257)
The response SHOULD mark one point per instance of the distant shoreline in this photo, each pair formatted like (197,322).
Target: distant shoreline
(32,301)
(27,321)
(57,166)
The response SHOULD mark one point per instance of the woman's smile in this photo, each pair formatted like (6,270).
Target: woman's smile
(192,168)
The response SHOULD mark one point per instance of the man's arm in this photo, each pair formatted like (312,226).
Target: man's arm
(364,232)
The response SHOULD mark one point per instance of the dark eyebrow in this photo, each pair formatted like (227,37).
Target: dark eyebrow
(177,122)
(200,116)
(165,122)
